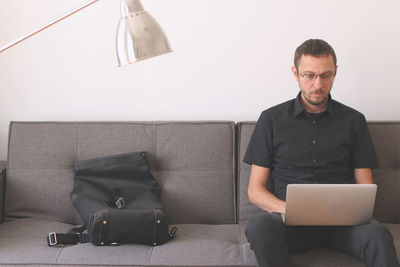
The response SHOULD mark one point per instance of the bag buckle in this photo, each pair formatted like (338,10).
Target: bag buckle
(120,203)
(52,239)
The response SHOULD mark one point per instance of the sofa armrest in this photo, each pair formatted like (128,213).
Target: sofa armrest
(2,193)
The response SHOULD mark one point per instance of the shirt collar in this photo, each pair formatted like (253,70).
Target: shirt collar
(298,108)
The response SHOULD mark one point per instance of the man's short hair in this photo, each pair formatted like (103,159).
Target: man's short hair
(315,48)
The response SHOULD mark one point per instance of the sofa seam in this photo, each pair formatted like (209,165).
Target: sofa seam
(398,204)
(71,168)
(76,141)
(240,244)
(141,122)
(59,253)
(234,172)
(156,143)
(237,169)
(75,219)
(150,255)
(9,144)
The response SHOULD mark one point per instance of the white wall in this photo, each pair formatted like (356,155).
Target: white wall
(231,60)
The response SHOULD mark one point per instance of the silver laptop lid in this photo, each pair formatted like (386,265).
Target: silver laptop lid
(329,204)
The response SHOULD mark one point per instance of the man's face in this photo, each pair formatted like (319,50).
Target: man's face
(315,89)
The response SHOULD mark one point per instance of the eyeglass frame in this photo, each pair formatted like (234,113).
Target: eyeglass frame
(315,76)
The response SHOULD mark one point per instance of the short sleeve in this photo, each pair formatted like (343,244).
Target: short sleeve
(260,148)
(364,154)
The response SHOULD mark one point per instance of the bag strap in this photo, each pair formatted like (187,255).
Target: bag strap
(74,236)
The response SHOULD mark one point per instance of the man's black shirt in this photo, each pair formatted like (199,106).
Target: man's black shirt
(302,147)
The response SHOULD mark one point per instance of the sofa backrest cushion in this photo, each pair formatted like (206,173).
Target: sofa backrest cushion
(246,210)
(386,138)
(192,161)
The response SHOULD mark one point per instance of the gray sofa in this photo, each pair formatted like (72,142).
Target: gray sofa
(204,191)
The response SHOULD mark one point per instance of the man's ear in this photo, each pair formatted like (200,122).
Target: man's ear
(294,70)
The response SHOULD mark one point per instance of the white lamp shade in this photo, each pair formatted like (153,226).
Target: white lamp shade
(139,36)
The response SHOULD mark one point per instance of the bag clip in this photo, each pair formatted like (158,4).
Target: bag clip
(172,232)
(120,203)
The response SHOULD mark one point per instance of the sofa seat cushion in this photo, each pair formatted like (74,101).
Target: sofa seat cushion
(395,230)
(193,245)
(202,245)
(23,241)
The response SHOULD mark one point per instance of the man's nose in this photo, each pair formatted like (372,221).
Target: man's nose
(318,82)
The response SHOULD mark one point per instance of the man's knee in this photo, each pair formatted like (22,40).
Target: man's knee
(377,232)
(377,247)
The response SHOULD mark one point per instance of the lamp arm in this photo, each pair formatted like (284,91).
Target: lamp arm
(2,49)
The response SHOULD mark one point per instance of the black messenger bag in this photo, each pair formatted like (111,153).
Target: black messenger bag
(118,200)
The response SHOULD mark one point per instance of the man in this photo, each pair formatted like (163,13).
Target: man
(311,139)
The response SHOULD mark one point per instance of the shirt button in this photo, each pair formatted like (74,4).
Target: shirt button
(314,122)
(314,161)
(314,141)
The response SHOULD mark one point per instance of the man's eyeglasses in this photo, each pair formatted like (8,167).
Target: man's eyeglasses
(312,76)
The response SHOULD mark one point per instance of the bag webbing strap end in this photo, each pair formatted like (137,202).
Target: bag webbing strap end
(54,239)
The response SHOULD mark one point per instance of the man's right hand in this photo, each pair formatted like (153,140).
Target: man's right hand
(258,192)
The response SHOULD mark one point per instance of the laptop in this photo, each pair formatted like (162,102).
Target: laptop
(329,204)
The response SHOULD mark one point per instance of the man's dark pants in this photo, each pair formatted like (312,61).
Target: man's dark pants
(273,242)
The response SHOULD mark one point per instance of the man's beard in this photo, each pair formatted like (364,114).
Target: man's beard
(315,103)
